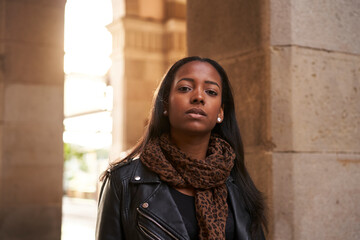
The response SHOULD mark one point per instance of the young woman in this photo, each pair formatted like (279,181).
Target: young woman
(186,178)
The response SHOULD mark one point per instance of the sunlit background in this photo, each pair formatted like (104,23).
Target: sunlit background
(87,109)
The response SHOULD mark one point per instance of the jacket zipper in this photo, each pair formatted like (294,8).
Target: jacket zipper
(156,223)
(148,233)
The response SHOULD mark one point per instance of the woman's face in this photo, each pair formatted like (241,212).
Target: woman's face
(195,99)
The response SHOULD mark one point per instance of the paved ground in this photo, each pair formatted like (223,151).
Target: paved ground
(79,218)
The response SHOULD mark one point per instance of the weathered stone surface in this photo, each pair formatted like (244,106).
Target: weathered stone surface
(31,222)
(330,25)
(37,23)
(31,116)
(33,103)
(315,100)
(316,196)
(280,22)
(259,165)
(2,102)
(243,21)
(151,9)
(33,64)
(144,70)
(136,120)
(247,75)
(30,188)
(33,144)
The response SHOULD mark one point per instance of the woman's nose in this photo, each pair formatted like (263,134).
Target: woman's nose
(198,96)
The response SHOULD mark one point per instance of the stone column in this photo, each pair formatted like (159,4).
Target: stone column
(31,118)
(294,66)
(315,83)
(147,36)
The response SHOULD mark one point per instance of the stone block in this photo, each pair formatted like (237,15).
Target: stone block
(140,91)
(316,196)
(207,20)
(280,22)
(36,23)
(259,165)
(315,96)
(30,223)
(135,121)
(249,81)
(32,144)
(151,9)
(33,64)
(32,185)
(281,99)
(2,101)
(330,25)
(33,103)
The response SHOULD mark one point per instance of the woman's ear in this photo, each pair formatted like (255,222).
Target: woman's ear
(220,117)
(165,112)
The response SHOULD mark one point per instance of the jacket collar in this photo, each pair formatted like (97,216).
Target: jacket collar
(141,174)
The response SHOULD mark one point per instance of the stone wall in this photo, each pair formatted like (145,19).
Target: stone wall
(294,67)
(315,81)
(147,37)
(31,118)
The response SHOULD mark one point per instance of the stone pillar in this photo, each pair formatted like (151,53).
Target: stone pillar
(147,36)
(294,66)
(315,83)
(31,118)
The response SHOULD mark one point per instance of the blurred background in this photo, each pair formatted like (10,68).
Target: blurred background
(76,84)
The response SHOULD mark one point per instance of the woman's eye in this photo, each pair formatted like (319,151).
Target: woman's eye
(212,92)
(183,89)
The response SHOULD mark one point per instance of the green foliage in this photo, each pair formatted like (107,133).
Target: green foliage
(73,151)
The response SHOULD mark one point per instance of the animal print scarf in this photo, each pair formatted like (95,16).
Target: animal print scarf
(206,176)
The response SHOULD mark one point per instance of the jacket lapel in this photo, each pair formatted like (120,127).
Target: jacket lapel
(153,204)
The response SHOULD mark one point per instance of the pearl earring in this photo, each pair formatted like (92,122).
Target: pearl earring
(165,112)
(219,119)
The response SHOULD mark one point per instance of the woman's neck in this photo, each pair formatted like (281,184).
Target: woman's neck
(194,145)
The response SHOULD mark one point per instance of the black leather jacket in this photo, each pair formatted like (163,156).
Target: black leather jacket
(135,204)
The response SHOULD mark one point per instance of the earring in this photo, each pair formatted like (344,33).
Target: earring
(165,112)
(219,119)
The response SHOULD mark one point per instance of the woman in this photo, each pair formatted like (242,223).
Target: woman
(186,178)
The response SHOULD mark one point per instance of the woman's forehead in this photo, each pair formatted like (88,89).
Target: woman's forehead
(198,69)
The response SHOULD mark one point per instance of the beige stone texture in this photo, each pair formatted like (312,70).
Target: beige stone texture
(143,71)
(2,103)
(330,25)
(31,188)
(244,22)
(145,40)
(33,144)
(33,64)
(31,222)
(175,9)
(250,88)
(259,165)
(151,9)
(280,22)
(33,103)
(35,21)
(135,121)
(316,196)
(315,100)
(31,118)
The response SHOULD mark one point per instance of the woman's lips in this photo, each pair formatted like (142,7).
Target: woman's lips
(196,113)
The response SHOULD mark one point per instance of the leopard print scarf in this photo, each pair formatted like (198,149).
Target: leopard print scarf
(207,177)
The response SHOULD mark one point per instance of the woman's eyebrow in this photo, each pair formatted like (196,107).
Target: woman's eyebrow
(192,80)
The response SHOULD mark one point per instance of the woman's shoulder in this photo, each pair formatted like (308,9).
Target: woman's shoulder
(123,168)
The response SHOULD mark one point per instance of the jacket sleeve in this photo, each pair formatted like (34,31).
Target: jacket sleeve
(108,225)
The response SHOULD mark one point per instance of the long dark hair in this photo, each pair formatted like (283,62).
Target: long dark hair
(228,130)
